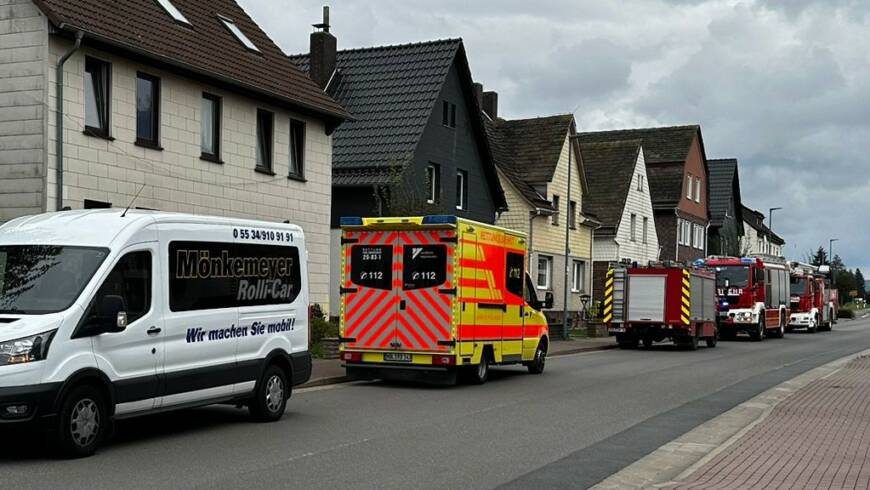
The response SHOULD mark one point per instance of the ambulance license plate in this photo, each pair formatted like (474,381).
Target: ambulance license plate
(397,357)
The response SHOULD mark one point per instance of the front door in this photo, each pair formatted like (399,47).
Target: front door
(132,357)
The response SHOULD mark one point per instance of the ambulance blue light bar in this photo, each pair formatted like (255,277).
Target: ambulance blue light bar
(351,221)
(440,219)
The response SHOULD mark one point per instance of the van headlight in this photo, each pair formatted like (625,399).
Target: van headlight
(26,349)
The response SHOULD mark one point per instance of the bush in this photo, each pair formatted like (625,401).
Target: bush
(321,327)
(846,313)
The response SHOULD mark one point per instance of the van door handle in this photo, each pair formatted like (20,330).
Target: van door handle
(154,330)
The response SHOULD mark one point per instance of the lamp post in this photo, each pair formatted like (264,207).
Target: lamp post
(770,217)
(831,260)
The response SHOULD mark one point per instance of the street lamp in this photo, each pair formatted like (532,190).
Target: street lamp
(831,259)
(770,218)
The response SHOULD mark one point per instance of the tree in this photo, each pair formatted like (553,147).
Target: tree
(820,257)
(860,283)
(404,192)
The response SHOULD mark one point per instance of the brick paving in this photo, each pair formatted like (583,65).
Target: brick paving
(817,438)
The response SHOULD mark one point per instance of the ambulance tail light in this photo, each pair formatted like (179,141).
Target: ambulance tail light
(443,360)
(351,356)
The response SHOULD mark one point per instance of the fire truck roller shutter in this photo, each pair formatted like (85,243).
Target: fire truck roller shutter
(703,298)
(646,298)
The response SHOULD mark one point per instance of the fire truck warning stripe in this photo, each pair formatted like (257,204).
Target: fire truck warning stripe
(686,311)
(609,291)
(608,309)
(686,300)
(685,320)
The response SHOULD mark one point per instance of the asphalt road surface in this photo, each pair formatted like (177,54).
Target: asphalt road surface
(587,417)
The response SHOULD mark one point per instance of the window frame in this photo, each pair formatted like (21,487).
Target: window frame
(240,35)
(548,272)
(645,230)
(297,153)
(574,279)
(84,327)
(554,219)
(104,112)
(270,142)
(153,143)
(697,189)
(173,12)
(433,182)
(640,182)
(461,190)
(633,227)
(217,117)
(572,215)
(689,185)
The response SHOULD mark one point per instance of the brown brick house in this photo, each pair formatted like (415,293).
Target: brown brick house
(677,167)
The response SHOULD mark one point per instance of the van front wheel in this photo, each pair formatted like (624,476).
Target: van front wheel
(82,422)
(270,397)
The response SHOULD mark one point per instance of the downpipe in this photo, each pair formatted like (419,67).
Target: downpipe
(59,116)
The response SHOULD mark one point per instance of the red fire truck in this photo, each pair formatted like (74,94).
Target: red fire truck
(753,295)
(660,302)
(812,304)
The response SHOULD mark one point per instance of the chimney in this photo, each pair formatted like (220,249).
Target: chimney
(323,52)
(478,94)
(490,104)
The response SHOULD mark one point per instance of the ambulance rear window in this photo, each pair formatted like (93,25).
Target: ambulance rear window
(424,266)
(371,266)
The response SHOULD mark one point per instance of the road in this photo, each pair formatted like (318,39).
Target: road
(587,417)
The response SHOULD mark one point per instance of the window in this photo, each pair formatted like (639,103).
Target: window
(97,96)
(572,214)
(545,271)
(645,230)
(130,279)
(215,275)
(297,149)
(91,204)
(265,120)
(515,263)
(640,182)
(433,182)
(210,144)
(448,114)
(689,187)
(423,266)
(233,28)
(697,189)
(695,236)
(555,217)
(578,276)
(173,12)
(371,266)
(461,189)
(633,227)
(147,110)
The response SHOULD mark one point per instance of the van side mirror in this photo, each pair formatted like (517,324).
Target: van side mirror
(548,300)
(112,313)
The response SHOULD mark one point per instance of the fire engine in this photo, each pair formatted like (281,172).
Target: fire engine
(812,305)
(753,295)
(429,298)
(662,301)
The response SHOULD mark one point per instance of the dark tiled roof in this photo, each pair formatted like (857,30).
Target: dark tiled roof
(390,91)
(503,159)
(610,167)
(755,219)
(205,47)
(531,148)
(724,186)
(670,144)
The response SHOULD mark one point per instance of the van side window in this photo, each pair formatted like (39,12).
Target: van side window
(131,280)
(213,275)
(424,266)
(514,274)
(371,266)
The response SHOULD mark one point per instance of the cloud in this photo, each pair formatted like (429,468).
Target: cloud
(782,85)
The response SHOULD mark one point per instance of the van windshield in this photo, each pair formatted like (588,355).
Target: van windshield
(732,276)
(40,279)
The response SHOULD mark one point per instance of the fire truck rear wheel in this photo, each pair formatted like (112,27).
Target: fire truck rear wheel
(648,341)
(712,341)
(626,341)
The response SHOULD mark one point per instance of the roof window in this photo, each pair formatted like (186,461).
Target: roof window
(172,11)
(238,33)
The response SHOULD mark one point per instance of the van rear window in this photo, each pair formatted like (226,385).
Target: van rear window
(371,266)
(209,275)
(424,266)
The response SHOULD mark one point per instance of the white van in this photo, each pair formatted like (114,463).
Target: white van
(107,315)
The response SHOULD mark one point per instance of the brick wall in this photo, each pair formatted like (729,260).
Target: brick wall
(175,178)
(23,53)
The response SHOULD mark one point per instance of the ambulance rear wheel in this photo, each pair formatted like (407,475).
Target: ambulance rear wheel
(480,373)
(538,363)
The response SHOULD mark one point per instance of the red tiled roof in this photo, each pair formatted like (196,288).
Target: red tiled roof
(205,47)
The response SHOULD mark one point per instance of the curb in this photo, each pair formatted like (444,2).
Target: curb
(332,380)
(680,458)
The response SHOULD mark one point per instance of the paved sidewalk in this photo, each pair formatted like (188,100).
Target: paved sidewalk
(329,371)
(819,437)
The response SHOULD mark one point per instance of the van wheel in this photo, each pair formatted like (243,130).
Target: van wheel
(82,423)
(538,363)
(270,397)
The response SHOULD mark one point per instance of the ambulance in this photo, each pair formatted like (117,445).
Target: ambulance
(435,298)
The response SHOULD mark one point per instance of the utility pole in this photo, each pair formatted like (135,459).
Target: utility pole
(831,259)
(567,243)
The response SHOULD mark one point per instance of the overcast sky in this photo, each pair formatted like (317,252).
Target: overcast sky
(782,85)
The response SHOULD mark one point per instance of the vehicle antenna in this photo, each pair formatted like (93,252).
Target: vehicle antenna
(132,201)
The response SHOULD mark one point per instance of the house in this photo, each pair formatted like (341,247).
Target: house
(187,104)
(533,158)
(676,164)
(620,200)
(758,238)
(416,144)
(726,208)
